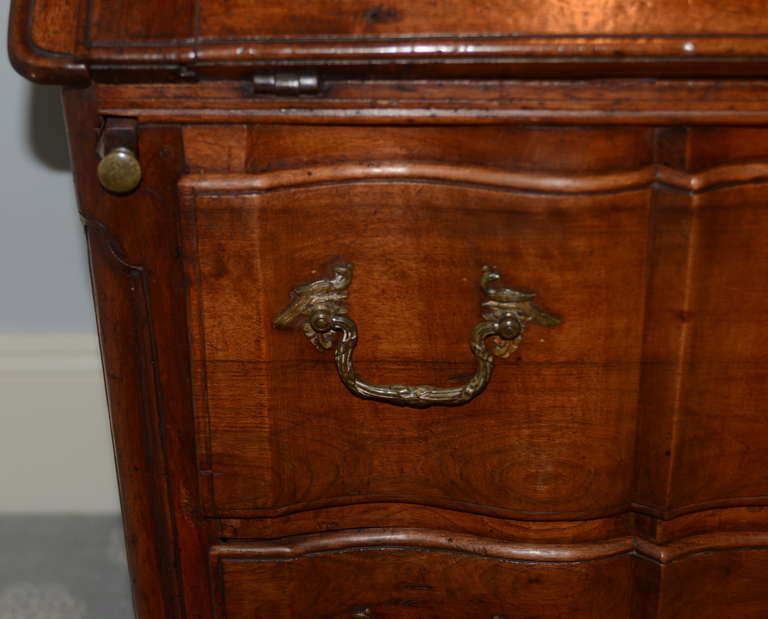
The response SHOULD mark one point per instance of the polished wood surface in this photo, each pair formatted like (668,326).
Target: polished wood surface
(426,228)
(393,582)
(74,40)
(615,466)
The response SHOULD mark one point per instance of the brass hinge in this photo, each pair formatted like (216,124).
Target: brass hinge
(287,83)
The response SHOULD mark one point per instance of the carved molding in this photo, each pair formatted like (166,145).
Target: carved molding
(35,63)
(429,540)
(683,510)
(479,176)
(447,101)
(341,541)
(134,399)
(696,544)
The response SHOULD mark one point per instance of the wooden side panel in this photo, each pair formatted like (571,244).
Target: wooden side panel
(138,283)
(122,310)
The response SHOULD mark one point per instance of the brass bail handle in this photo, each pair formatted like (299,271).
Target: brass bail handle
(506,315)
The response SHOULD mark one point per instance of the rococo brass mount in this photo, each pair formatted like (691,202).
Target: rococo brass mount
(506,314)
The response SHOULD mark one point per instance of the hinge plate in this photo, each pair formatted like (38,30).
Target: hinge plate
(287,83)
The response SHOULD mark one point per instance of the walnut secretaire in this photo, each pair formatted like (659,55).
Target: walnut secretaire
(427,309)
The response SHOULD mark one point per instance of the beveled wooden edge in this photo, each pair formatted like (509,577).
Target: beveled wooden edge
(325,115)
(678,47)
(471,55)
(426,539)
(37,64)
(431,540)
(482,176)
(412,516)
(447,101)
(684,510)
(696,544)
(147,490)
(643,55)
(411,170)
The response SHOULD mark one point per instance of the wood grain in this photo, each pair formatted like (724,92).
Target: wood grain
(481,176)
(610,156)
(255,419)
(547,18)
(138,278)
(29,35)
(409,516)
(726,374)
(751,519)
(182,39)
(425,538)
(452,101)
(528,152)
(170,21)
(716,584)
(416,583)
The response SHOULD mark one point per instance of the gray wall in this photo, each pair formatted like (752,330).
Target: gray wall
(55,450)
(43,269)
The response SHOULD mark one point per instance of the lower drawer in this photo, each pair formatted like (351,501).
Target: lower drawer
(381,575)
(402,573)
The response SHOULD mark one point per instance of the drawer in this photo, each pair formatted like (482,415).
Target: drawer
(387,575)
(550,436)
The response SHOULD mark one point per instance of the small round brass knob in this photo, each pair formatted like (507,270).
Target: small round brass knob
(509,327)
(321,320)
(119,171)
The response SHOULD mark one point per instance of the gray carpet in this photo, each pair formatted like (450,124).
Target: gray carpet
(63,567)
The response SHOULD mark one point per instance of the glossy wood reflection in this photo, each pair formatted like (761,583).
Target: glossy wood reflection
(612,157)
(513,457)
(455,585)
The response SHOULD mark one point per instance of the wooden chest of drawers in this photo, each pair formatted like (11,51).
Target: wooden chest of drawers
(423,309)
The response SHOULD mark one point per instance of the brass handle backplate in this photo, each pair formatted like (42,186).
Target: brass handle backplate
(506,314)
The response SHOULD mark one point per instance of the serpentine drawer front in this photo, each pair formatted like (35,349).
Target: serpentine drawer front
(419,236)
(417,309)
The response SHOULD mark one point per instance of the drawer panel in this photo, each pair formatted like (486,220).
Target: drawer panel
(391,582)
(280,433)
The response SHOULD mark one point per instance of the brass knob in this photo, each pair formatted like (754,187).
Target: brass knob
(362,613)
(321,320)
(119,171)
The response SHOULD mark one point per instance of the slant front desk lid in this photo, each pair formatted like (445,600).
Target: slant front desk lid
(76,41)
